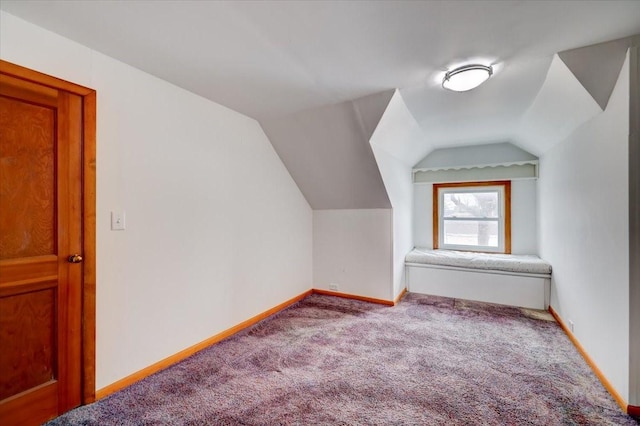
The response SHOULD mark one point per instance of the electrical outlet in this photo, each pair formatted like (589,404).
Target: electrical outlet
(333,287)
(571,325)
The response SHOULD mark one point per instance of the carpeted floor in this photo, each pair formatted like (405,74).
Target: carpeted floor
(334,361)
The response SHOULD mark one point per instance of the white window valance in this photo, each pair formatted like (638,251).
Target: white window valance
(502,171)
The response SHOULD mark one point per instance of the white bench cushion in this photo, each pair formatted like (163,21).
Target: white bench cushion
(527,264)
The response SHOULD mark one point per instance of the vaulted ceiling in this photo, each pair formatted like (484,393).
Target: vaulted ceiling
(287,63)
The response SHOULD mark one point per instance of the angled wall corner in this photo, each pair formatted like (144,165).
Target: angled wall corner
(398,142)
(369,110)
(597,67)
(327,152)
(399,134)
(560,107)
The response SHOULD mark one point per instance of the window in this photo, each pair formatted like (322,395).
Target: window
(472,216)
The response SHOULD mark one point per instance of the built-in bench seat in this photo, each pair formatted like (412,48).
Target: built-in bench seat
(519,280)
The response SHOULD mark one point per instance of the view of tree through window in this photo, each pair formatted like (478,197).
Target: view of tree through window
(471,218)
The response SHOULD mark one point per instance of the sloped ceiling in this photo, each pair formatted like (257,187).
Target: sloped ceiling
(270,59)
(328,154)
(299,68)
(597,66)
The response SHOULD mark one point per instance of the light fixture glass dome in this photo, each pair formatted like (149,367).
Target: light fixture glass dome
(466,77)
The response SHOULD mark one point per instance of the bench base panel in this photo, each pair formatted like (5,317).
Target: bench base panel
(484,286)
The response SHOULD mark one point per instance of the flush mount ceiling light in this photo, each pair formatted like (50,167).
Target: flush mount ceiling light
(466,77)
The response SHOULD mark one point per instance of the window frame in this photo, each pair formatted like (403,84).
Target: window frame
(504,218)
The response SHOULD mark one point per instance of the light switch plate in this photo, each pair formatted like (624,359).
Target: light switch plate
(117,221)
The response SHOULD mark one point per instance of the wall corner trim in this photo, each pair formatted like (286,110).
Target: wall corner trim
(400,296)
(603,379)
(185,353)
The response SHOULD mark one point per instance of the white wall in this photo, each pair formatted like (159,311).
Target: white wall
(397,179)
(217,231)
(584,233)
(353,249)
(422,215)
(523,216)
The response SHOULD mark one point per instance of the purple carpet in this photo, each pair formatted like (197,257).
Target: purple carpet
(333,361)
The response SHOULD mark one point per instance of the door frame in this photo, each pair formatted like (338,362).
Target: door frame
(88,367)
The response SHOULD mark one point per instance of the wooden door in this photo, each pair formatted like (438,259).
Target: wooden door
(41,228)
